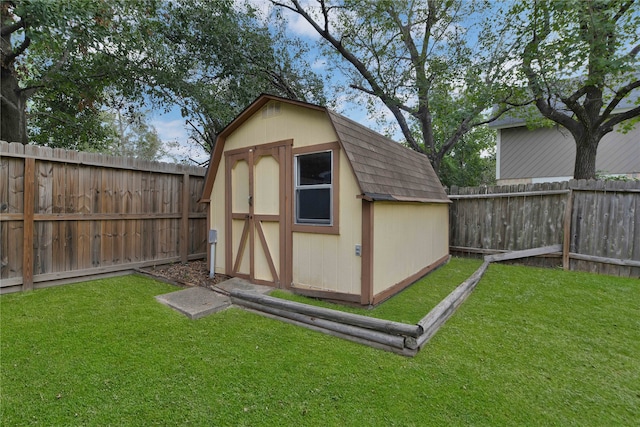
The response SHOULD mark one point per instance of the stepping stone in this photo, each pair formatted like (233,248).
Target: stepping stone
(195,302)
(237,283)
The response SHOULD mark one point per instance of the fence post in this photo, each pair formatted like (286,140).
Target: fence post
(27,226)
(566,234)
(184,220)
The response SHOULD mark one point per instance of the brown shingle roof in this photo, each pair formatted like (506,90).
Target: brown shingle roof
(385,169)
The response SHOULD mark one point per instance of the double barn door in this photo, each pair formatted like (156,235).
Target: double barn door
(256,206)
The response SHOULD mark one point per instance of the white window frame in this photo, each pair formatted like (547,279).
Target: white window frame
(298,187)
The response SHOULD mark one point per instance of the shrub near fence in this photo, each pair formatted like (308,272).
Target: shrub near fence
(595,223)
(67,215)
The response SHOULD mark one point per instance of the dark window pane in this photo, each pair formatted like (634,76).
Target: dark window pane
(314,205)
(314,169)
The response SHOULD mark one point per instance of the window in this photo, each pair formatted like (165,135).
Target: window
(314,188)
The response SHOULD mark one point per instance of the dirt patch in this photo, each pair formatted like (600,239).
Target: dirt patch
(193,273)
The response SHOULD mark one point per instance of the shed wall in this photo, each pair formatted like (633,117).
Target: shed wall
(325,262)
(407,238)
(328,262)
(216,218)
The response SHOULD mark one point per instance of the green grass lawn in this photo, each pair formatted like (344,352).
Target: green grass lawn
(529,347)
(411,305)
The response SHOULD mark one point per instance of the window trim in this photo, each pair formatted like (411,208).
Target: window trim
(334,226)
(298,188)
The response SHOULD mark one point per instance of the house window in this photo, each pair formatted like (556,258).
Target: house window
(314,188)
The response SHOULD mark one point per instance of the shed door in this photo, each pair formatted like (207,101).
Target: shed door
(256,208)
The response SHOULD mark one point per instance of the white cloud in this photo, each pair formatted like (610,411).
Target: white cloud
(320,64)
(175,138)
(299,26)
(171,130)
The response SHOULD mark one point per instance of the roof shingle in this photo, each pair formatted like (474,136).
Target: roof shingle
(385,169)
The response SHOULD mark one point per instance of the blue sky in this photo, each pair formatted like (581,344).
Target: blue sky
(171,126)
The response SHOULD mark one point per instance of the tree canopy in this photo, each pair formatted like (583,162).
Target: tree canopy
(437,66)
(60,46)
(421,59)
(60,59)
(580,61)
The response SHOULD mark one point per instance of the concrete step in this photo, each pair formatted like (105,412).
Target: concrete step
(197,302)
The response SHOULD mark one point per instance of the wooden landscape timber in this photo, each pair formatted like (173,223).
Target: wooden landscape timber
(545,250)
(387,326)
(432,322)
(392,336)
(387,339)
(402,351)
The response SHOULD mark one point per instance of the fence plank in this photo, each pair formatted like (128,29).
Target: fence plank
(566,231)
(593,218)
(92,213)
(28,203)
(634,230)
(184,222)
(44,230)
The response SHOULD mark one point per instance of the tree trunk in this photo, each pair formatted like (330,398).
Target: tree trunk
(586,151)
(13,127)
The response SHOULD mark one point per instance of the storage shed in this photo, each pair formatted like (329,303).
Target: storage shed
(308,200)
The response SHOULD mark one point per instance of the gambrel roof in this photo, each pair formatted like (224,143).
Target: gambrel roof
(384,169)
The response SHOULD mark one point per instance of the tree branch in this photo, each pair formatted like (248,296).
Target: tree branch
(5,31)
(616,119)
(504,109)
(195,129)
(19,50)
(623,9)
(54,117)
(377,90)
(530,52)
(576,95)
(463,128)
(634,52)
(620,94)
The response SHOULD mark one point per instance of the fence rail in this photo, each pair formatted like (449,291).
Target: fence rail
(596,223)
(65,214)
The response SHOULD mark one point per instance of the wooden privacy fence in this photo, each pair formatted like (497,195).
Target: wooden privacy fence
(596,223)
(66,215)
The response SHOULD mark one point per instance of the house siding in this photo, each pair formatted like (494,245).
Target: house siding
(550,152)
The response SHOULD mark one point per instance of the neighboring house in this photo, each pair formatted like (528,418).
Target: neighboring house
(307,200)
(548,154)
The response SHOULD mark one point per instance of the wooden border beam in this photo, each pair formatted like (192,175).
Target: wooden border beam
(380,325)
(545,250)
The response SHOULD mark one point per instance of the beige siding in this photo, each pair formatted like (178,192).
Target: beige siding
(326,262)
(550,152)
(329,262)
(407,238)
(305,126)
(216,215)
